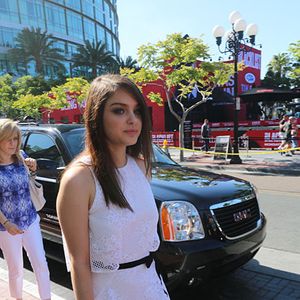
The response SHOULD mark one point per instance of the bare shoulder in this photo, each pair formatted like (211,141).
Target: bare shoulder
(77,175)
(77,185)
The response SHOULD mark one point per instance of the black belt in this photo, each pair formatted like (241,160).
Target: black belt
(147,260)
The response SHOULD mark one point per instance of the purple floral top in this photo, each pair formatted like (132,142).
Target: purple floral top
(15,201)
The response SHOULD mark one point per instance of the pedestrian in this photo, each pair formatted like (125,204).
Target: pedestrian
(282,133)
(205,133)
(106,208)
(165,147)
(294,134)
(287,145)
(19,220)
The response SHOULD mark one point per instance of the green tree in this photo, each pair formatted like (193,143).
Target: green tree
(37,46)
(278,71)
(127,62)
(56,98)
(30,85)
(6,96)
(178,62)
(95,57)
(295,60)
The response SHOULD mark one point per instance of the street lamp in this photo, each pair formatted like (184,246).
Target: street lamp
(234,44)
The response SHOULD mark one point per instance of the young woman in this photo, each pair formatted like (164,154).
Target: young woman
(19,220)
(106,207)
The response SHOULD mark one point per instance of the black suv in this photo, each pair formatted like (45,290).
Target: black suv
(209,223)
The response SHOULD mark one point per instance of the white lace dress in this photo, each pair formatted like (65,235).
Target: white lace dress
(119,236)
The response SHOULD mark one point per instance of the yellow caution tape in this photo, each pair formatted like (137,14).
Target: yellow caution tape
(245,152)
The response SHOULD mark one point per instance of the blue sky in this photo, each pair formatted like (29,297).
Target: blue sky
(144,21)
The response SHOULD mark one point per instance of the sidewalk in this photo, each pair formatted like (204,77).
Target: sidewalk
(30,291)
(255,161)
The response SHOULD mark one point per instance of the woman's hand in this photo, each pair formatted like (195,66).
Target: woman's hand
(31,164)
(12,228)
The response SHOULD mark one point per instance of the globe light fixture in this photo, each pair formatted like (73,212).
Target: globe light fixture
(233,16)
(234,43)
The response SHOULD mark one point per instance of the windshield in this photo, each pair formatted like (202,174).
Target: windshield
(75,143)
(160,157)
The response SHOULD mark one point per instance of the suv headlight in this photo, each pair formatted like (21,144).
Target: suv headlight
(180,221)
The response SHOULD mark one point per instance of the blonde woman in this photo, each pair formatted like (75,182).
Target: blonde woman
(19,220)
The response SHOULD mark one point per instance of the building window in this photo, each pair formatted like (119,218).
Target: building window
(99,11)
(115,23)
(100,34)
(55,16)
(109,45)
(74,25)
(89,29)
(107,15)
(72,49)
(75,4)
(60,45)
(7,37)
(59,1)
(9,10)
(88,8)
(32,13)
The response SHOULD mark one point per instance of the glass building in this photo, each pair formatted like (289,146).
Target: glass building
(70,22)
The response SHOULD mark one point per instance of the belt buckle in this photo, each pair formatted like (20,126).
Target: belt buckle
(149,261)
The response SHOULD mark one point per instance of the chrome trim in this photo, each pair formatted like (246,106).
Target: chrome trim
(51,236)
(230,203)
(46,179)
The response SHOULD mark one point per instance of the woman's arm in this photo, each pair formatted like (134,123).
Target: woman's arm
(11,228)
(76,190)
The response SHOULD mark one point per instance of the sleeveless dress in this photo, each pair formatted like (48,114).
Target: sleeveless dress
(118,235)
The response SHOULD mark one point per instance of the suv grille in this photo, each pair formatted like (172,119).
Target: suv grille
(237,218)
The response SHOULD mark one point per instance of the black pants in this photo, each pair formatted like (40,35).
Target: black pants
(206,143)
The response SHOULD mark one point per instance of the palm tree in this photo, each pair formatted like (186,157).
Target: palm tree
(94,56)
(127,62)
(280,64)
(37,46)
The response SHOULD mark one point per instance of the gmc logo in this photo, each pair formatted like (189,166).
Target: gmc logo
(242,215)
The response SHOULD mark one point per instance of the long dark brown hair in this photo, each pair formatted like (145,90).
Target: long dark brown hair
(102,88)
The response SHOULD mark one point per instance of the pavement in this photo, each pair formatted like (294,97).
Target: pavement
(253,161)
(30,290)
(273,273)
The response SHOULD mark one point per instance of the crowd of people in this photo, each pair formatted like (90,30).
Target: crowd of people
(288,131)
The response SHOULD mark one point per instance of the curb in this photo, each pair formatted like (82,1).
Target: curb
(280,170)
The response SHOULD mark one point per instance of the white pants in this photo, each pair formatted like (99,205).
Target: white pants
(12,248)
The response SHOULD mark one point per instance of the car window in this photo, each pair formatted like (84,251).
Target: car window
(43,148)
(23,138)
(74,140)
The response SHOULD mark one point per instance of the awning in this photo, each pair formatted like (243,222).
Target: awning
(266,94)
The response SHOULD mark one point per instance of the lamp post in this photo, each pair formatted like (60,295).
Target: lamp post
(234,44)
